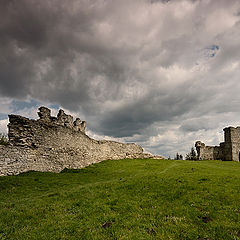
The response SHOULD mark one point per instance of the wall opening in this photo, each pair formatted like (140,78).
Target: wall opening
(239,156)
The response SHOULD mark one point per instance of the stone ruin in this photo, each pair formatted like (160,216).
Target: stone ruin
(54,143)
(61,119)
(229,150)
(23,132)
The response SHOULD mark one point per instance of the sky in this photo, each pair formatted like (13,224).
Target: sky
(160,73)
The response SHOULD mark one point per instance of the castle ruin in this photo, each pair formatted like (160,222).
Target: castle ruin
(229,150)
(54,143)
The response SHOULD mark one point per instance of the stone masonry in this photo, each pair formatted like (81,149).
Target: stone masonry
(54,143)
(229,150)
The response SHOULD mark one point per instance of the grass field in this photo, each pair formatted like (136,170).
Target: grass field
(125,199)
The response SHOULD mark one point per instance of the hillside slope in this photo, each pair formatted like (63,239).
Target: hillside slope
(124,199)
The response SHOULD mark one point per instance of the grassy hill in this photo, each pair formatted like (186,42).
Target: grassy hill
(124,199)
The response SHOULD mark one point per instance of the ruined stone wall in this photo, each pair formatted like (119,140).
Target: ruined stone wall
(229,150)
(208,152)
(235,150)
(232,134)
(232,139)
(52,144)
(14,160)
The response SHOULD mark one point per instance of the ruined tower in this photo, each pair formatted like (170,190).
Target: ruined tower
(229,150)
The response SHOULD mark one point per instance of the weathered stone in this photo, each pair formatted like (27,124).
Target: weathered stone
(83,126)
(229,150)
(79,126)
(52,144)
(44,114)
(64,119)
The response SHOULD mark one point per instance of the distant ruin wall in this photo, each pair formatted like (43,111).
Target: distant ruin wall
(208,152)
(52,144)
(229,150)
(232,143)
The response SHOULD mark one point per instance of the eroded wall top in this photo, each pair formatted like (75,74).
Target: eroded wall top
(32,133)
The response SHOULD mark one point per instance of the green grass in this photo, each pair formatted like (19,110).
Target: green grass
(3,139)
(126,199)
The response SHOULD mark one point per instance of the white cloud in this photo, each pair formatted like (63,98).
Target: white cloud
(3,126)
(5,105)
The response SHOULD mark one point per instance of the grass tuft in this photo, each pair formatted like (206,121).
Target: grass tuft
(3,139)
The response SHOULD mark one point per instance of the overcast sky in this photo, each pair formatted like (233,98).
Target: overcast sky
(162,74)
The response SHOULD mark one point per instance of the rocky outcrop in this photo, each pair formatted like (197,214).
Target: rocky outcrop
(54,143)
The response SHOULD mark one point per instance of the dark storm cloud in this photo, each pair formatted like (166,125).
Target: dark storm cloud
(127,66)
(132,119)
(54,50)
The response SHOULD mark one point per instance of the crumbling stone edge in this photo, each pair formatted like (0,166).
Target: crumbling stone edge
(54,143)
